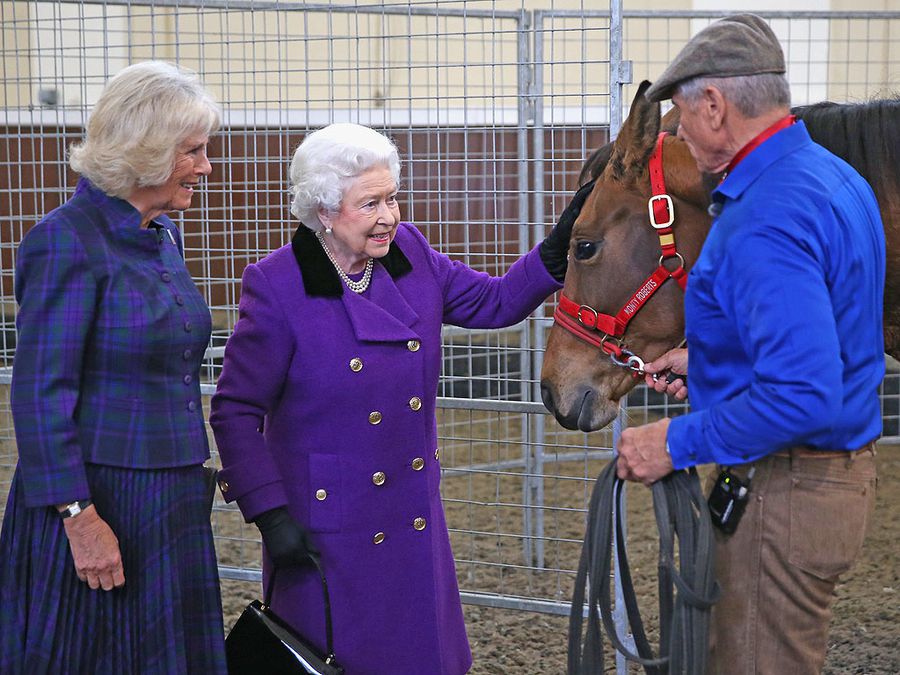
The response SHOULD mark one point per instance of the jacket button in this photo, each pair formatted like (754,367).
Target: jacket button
(187,379)
(356,364)
(374,417)
(165,276)
(192,406)
(321,494)
(437,453)
(419,523)
(378,478)
(378,538)
(188,326)
(179,300)
(186,354)
(415,403)
(418,463)
(223,486)
(413,345)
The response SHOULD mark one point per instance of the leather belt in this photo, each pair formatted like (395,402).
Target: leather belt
(807,452)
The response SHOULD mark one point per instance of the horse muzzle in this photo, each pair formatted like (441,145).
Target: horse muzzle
(582,409)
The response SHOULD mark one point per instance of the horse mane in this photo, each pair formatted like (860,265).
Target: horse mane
(866,135)
(595,164)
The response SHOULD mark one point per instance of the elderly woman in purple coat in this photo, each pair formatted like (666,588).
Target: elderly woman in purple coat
(324,413)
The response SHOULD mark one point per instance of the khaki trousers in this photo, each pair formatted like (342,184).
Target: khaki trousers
(803,527)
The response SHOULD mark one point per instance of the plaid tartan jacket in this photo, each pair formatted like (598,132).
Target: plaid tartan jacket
(111,334)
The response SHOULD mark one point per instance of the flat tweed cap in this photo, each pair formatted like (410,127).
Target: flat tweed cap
(742,44)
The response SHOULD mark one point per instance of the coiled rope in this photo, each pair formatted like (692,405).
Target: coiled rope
(681,511)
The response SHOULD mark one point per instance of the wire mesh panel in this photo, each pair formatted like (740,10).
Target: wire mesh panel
(838,56)
(449,82)
(493,105)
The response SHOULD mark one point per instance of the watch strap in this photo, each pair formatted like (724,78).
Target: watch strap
(75,508)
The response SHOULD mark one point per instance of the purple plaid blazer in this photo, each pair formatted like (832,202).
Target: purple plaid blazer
(111,334)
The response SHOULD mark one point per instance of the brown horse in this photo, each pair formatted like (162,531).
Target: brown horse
(614,247)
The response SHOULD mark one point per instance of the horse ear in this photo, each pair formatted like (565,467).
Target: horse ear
(637,138)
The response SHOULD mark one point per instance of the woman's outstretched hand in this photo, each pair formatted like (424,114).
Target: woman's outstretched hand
(554,250)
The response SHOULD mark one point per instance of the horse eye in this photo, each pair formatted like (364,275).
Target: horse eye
(585,250)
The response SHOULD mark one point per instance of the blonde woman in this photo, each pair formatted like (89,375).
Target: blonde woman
(108,563)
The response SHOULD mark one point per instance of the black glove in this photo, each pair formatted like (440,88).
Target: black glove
(286,541)
(554,249)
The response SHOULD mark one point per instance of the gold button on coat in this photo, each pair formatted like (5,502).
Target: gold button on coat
(223,486)
(356,364)
(437,453)
(415,403)
(374,417)
(378,538)
(378,478)
(321,494)
(413,345)
(418,463)
(419,523)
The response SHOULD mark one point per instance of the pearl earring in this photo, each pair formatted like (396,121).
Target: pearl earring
(327,230)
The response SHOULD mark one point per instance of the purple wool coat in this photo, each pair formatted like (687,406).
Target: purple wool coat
(326,405)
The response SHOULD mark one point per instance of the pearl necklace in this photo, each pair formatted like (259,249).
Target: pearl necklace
(355,286)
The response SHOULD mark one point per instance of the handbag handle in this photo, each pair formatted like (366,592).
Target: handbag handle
(328,631)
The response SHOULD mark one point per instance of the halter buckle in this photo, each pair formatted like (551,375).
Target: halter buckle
(595,316)
(670,209)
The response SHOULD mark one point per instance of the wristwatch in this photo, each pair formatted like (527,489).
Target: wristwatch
(75,508)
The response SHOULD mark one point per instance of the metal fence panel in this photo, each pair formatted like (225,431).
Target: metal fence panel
(493,108)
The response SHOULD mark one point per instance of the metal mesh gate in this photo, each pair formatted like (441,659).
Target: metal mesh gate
(494,105)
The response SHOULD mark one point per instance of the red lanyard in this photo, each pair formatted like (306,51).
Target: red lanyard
(783,123)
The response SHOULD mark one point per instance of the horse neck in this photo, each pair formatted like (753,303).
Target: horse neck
(865,135)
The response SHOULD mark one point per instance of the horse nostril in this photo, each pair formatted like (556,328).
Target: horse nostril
(547,397)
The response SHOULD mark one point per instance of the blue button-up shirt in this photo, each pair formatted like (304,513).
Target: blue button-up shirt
(783,310)
(111,334)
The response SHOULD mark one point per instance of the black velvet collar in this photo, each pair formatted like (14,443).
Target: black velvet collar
(319,276)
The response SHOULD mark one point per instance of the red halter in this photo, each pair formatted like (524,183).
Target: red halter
(605,330)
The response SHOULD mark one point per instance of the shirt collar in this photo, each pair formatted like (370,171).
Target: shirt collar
(117,212)
(761,158)
(121,218)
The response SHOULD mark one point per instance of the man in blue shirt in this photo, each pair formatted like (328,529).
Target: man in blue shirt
(783,323)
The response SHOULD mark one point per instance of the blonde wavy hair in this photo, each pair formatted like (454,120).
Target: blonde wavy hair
(142,116)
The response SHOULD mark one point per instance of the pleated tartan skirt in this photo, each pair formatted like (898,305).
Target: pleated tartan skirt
(168,616)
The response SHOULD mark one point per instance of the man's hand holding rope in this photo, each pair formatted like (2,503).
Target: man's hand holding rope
(642,453)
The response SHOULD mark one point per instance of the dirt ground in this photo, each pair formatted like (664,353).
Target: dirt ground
(865,633)
(486,523)
(865,630)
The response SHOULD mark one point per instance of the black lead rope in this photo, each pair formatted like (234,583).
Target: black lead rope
(681,511)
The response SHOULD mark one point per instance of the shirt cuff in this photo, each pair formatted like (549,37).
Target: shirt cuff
(680,444)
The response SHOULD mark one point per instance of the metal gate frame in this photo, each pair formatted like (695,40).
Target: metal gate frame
(530,27)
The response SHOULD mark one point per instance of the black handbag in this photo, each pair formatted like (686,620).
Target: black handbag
(261,643)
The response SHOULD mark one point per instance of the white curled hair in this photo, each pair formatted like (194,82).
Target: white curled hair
(143,114)
(328,160)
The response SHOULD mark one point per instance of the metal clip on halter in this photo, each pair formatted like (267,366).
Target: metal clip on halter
(632,362)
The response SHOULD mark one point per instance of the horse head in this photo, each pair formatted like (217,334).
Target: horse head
(613,252)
